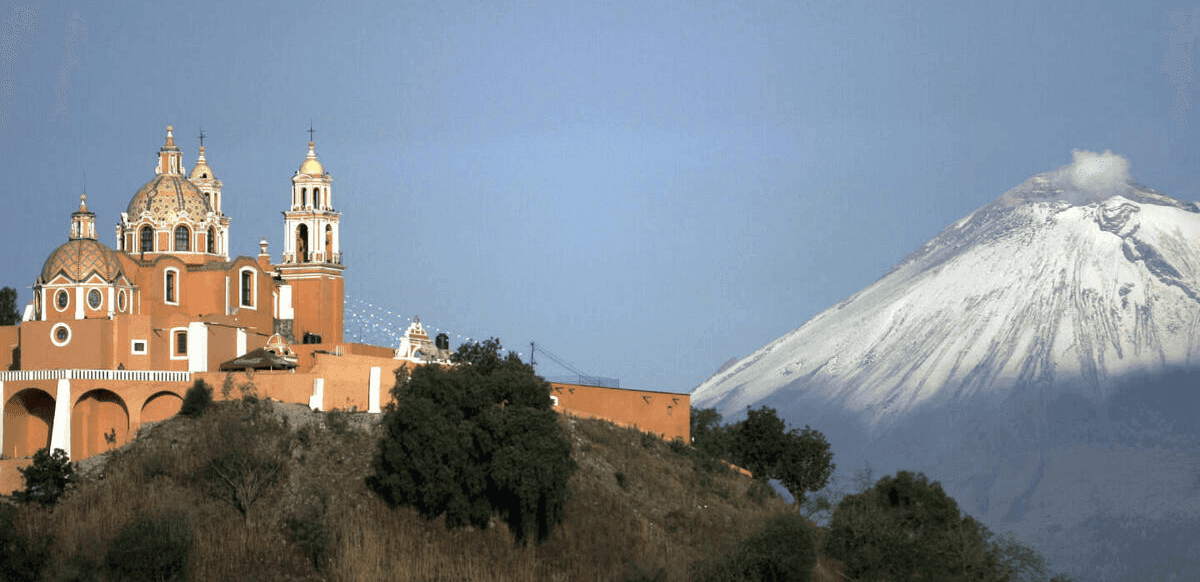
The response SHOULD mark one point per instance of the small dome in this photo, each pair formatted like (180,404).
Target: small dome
(166,196)
(79,258)
(312,166)
(202,171)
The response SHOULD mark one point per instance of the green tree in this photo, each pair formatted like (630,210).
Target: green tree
(800,459)
(9,315)
(196,399)
(475,439)
(906,528)
(47,479)
(708,435)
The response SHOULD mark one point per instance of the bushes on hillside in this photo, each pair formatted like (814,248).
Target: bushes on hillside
(21,558)
(475,440)
(248,461)
(784,549)
(150,549)
(196,399)
(47,479)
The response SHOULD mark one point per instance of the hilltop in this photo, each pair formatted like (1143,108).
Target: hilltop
(641,508)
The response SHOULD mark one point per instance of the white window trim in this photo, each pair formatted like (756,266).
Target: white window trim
(54,332)
(171,342)
(122,301)
(133,347)
(253,288)
(55,300)
(89,299)
(177,286)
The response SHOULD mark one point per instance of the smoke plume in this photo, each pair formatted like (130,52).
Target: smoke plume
(1092,177)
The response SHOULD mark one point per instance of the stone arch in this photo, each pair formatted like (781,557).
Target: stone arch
(161,406)
(99,415)
(28,421)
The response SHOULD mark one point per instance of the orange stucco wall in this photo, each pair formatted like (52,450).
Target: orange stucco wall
(664,413)
(10,341)
(98,407)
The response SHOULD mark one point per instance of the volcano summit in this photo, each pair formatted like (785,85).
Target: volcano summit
(1039,357)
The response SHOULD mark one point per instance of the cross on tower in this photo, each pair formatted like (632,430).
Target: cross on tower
(201,137)
(310,132)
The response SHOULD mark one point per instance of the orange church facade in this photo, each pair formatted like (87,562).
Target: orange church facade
(114,337)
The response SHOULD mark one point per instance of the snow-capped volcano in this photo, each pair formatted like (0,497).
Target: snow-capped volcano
(1029,290)
(1019,356)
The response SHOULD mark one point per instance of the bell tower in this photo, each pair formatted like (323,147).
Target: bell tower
(312,255)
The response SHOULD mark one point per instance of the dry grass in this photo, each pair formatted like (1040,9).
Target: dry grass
(666,521)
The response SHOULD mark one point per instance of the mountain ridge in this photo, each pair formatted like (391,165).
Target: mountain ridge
(1037,356)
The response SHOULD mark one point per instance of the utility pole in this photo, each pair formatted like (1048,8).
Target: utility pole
(532,356)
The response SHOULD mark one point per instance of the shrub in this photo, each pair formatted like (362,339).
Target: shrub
(678,446)
(622,481)
(338,422)
(248,460)
(784,549)
(149,549)
(196,399)
(48,478)
(21,558)
(308,533)
(648,440)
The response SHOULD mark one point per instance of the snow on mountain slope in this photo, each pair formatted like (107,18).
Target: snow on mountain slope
(1039,357)
(1026,291)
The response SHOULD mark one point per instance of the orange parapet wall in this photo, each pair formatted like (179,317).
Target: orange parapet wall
(666,414)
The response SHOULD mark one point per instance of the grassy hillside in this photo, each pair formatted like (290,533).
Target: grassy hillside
(641,508)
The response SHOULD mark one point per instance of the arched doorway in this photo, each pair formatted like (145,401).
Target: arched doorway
(99,422)
(161,406)
(28,419)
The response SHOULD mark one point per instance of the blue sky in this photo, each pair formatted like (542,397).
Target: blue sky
(646,189)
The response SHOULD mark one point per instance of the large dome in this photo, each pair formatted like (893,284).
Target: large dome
(168,196)
(79,258)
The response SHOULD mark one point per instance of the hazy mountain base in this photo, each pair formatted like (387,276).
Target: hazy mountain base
(1106,487)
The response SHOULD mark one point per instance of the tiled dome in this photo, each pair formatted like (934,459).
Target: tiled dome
(166,196)
(79,258)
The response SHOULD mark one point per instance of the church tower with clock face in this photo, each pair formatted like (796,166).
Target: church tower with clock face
(312,255)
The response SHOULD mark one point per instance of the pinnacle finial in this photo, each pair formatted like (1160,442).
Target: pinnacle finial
(83,201)
(170,136)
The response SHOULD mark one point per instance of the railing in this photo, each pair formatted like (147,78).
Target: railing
(110,375)
(587,381)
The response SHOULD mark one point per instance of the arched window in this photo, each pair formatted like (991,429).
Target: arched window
(183,238)
(147,239)
(329,243)
(212,237)
(247,287)
(302,243)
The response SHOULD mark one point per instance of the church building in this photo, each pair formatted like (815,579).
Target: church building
(170,297)
(114,336)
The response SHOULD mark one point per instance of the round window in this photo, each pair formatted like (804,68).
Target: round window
(60,334)
(62,299)
(121,301)
(95,298)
